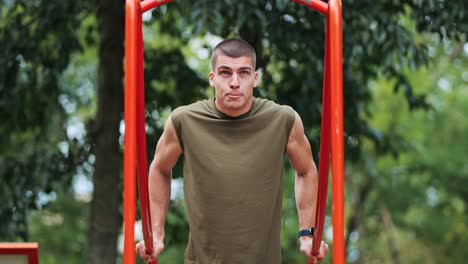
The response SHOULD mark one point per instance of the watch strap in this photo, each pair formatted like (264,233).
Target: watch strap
(306,232)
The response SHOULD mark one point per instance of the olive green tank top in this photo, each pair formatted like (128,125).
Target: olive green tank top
(233,170)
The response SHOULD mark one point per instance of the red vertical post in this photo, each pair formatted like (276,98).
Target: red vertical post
(130,151)
(332,135)
(336,83)
(325,146)
(135,158)
(142,161)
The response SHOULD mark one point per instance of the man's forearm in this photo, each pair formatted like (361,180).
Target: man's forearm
(159,195)
(306,198)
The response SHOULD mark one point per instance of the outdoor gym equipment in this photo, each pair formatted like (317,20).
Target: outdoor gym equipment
(135,160)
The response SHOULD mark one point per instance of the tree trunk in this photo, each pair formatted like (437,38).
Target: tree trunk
(105,218)
(355,219)
(388,223)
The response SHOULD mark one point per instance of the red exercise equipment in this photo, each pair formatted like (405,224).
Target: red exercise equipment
(332,145)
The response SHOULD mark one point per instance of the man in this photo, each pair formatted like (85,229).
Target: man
(233,147)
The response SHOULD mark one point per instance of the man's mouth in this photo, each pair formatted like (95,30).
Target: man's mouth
(234,96)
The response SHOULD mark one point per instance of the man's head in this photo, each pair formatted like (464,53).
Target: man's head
(233,76)
(234,48)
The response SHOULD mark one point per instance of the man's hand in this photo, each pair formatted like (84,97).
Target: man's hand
(158,247)
(306,250)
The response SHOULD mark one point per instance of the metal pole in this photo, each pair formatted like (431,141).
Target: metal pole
(135,158)
(325,146)
(142,161)
(316,5)
(150,4)
(129,196)
(336,63)
(332,128)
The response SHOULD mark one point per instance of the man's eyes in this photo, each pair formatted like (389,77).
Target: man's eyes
(228,73)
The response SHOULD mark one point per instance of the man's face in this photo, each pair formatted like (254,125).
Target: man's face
(233,80)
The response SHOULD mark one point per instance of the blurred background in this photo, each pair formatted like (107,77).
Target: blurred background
(405,105)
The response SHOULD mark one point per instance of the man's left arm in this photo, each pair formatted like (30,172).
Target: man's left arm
(306,184)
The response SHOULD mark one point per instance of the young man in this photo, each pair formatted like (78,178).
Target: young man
(233,147)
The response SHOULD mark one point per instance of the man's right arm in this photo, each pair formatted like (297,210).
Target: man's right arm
(167,152)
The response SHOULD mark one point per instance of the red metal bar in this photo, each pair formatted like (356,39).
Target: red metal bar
(316,5)
(325,148)
(142,161)
(29,249)
(129,196)
(150,4)
(332,119)
(334,96)
(336,63)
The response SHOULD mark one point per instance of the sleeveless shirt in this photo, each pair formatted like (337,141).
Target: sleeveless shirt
(232,169)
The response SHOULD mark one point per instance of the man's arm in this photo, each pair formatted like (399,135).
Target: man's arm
(300,157)
(306,184)
(167,152)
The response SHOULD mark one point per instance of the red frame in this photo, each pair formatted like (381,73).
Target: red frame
(332,145)
(28,249)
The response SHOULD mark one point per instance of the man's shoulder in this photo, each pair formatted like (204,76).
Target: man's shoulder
(267,105)
(282,115)
(193,107)
(194,110)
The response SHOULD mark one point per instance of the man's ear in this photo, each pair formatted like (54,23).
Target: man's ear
(210,79)
(256,80)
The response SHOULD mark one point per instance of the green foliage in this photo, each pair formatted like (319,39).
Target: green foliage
(36,157)
(61,230)
(422,187)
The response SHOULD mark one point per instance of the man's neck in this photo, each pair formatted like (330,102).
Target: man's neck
(234,112)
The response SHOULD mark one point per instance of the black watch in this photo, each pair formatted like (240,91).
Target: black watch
(307,232)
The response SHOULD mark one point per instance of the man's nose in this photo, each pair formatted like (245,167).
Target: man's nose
(234,83)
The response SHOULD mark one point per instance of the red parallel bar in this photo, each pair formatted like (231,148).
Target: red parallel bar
(150,4)
(142,161)
(316,5)
(129,195)
(334,16)
(325,147)
(28,249)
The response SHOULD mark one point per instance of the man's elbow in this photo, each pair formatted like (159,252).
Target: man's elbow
(160,171)
(310,172)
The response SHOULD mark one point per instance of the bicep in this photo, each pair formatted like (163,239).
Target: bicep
(298,148)
(168,148)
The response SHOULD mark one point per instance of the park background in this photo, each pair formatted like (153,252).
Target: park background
(405,104)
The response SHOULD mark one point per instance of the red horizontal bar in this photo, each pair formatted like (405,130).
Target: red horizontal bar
(20,245)
(317,5)
(27,249)
(150,4)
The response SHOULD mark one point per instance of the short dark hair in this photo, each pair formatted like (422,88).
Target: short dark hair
(234,48)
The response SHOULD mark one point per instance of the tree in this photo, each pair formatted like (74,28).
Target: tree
(420,188)
(37,156)
(105,218)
